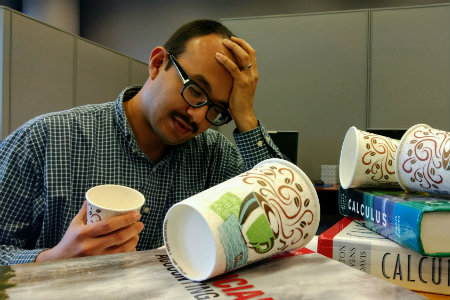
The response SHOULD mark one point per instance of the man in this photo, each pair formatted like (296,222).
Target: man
(154,139)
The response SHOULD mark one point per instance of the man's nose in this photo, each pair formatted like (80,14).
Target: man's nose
(198,114)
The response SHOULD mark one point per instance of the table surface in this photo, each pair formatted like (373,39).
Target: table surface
(150,274)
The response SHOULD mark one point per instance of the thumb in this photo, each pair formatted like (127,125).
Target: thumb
(82,214)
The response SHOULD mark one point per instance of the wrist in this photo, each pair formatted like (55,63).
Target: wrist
(44,256)
(246,124)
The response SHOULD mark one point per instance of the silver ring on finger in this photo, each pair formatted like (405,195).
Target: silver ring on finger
(245,67)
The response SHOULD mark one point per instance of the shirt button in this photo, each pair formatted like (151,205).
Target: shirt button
(260,143)
(154,170)
(146,210)
(267,138)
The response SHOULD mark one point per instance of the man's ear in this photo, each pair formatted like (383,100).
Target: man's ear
(157,61)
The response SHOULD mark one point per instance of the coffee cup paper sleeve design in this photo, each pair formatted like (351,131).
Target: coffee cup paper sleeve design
(422,161)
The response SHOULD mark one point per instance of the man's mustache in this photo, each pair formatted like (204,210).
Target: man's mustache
(188,121)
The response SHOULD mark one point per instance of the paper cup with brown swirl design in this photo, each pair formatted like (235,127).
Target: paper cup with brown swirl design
(422,161)
(108,200)
(267,210)
(367,160)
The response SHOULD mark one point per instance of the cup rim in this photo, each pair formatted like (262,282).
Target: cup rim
(354,130)
(137,207)
(397,154)
(199,276)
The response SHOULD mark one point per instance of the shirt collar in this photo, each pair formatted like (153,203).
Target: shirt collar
(122,123)
(125,128)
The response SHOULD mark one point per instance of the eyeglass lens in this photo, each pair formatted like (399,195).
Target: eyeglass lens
(197,98)
(194,95)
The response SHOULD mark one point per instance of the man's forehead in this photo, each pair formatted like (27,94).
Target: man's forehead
(199,61)
(210,42)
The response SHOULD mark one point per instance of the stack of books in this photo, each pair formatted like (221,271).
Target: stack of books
(400,237)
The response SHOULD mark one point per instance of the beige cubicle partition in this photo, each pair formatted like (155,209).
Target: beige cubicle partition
(45,69)
(322,73)
(319,73)
(410,65)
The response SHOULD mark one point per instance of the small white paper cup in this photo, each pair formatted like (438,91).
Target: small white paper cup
(423,160)
(367,160)
(105,201)
(267,210)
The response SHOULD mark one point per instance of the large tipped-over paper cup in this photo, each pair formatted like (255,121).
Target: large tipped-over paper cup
(267,210)
(423,160)
(367,160)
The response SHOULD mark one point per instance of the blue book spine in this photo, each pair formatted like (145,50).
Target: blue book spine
(406,225)
(398,222)
(386,216)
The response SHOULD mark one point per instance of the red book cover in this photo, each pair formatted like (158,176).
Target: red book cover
(325,241)
(355,245)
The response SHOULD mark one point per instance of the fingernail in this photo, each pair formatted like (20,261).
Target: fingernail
(136,216)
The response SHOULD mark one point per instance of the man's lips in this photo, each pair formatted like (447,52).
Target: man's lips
(182,124)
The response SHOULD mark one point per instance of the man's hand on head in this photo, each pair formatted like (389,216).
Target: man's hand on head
(244,82)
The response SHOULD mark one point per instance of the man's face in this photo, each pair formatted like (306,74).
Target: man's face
(171,118)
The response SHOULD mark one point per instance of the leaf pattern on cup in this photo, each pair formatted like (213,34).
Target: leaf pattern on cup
(379,157)
(428,154)
(281,190)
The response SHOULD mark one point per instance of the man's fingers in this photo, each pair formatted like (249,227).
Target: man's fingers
(239,53)
(120,236)
(127,246)
(244,45)
(82,213)
(112,224)
(228,64)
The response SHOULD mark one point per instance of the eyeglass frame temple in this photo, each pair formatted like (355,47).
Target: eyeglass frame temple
(181,73)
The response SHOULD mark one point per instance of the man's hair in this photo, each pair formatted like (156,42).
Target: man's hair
(176,44)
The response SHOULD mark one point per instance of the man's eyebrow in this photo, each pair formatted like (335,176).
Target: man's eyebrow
(205,84)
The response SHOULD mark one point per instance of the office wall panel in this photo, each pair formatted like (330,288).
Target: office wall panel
(410,73)
(139,72)
(319,73)
(5,42)
(45,69)
(313,71)
(101,73)
(41,69)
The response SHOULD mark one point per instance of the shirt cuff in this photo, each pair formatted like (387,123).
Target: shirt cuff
(255,145)
(25,256)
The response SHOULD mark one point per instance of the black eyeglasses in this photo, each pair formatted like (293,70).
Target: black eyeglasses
(195,96)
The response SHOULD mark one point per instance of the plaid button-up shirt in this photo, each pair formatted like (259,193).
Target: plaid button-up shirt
(48,164)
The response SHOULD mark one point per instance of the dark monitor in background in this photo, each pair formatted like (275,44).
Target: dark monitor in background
(287,142)
(392,133)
